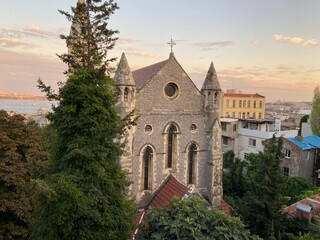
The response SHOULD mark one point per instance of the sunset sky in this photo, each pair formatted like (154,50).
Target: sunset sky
(269,47)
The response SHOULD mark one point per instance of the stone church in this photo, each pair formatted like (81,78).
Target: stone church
(178,130)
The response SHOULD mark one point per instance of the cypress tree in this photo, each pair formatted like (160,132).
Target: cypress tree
(261,205)
(315,113)
(88,197)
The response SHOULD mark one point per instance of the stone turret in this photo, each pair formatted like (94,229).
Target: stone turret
(126,88)
(212,92)
(212,104)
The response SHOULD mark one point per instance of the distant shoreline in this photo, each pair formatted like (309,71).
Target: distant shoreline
(21,97)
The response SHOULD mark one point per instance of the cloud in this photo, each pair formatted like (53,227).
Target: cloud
(31,31)
(254,41)
(36,31)
(290,82)
(213,45)
(295,40)
(124,40)
(14,42)
(139,53)
(20,71)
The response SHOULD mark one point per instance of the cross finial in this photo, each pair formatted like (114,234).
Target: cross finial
(171,43)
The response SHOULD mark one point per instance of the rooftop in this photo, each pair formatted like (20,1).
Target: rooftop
(243,95)
(307,205)
(307,143)
(143,75)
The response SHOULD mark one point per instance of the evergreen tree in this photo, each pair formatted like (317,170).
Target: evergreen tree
(315,113)
(88,197)
(21,156)
(261,206)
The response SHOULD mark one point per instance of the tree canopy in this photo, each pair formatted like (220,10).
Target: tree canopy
(21,156)
(193,219)
(315,113)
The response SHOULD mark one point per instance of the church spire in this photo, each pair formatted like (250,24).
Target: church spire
(123,75)
(211,82)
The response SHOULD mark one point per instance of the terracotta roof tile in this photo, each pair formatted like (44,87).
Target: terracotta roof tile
(225,208)
(143,75)
(170,188)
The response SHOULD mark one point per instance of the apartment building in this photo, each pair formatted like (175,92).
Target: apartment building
(243,105)
(245,136)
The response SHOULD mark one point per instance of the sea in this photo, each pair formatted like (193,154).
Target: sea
(29,107)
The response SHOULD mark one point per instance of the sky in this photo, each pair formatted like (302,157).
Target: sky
(257,46)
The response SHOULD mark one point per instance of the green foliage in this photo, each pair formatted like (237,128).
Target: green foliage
(85,190)
(315,113)
(294,227)
(228,159)
(260,206)
(90,38)
(192,219)
(21,157)
(295,188)
(233,176)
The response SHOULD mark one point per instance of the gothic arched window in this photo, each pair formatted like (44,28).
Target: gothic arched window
(215,98)
(147,168)
(192,157)
(172,146)
(126,94)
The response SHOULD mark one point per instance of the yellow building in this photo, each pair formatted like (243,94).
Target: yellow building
(243,105)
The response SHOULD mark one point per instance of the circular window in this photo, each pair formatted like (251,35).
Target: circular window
(148,129)
(171,90)
(193,128)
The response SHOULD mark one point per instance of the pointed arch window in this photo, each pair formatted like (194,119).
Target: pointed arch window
(215,98)
(126,94)
(147,168)
(172,146)
(192,157)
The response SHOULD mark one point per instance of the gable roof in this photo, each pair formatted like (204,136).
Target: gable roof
(143,75)
(307,143)
(170,188)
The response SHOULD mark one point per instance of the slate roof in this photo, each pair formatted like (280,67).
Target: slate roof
(307,143)
(143,75)
(242,95)
(211,82)
(123,75)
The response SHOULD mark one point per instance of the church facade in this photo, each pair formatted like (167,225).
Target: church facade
(178,129)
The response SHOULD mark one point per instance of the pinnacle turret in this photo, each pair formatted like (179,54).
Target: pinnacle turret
(123,75)
(211,82)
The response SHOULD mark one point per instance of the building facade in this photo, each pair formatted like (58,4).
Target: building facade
(178,129)
(242,105)
(302,158)
(245,136)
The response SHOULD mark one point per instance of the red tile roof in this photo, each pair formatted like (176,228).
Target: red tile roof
(143,75)
(243,95)
(225,208)
(170,188)
(313,202)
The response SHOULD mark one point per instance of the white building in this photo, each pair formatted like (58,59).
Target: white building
(245,136)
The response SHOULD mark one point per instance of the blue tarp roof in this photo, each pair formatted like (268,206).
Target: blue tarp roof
(308,143)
